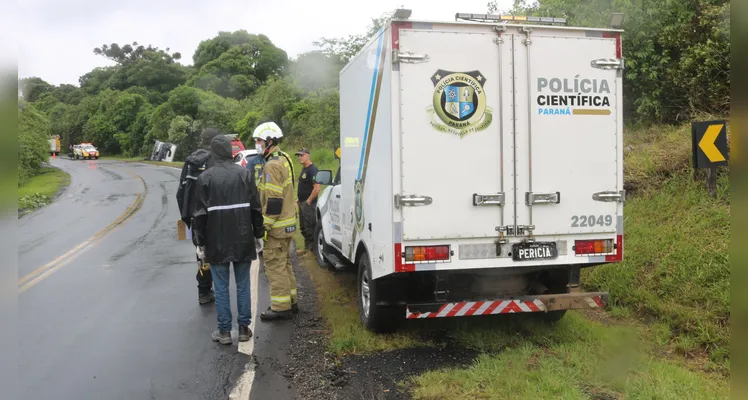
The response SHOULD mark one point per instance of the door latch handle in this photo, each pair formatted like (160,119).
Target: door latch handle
(542,198)
(493,199)
(610,196)
(412,200)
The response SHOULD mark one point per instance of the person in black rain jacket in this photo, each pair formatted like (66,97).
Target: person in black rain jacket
(194,165)
(228,224)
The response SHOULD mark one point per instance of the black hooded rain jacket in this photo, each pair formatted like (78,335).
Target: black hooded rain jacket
(228,214)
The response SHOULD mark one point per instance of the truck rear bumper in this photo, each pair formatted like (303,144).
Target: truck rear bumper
(538,303)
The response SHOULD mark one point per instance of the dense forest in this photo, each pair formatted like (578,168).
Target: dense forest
(677,58)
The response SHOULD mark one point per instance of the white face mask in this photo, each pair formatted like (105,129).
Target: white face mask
(258,147)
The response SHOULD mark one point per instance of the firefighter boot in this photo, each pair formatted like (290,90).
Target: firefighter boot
(270,315)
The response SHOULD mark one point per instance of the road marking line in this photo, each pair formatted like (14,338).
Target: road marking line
(44,271)
(244,385)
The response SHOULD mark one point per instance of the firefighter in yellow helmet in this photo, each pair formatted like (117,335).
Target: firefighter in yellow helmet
(278,199)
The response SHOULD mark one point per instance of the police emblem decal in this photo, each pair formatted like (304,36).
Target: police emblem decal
(358,208)
(459,103)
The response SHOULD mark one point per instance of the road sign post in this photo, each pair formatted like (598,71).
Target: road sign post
(709,146)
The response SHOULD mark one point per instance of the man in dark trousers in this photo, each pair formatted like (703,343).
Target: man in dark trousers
(195,164)
(228,225)
(307,194)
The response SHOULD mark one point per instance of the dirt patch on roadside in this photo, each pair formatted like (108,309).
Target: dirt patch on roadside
(317,374)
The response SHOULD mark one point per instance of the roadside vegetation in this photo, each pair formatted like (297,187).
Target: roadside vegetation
(676,269)
(39,190)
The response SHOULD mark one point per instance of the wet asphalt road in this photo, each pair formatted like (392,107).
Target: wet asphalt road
(115,316)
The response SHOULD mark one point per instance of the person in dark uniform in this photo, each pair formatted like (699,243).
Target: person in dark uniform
(195,164)
(307,195)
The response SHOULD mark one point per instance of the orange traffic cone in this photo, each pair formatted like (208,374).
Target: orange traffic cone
(54,155)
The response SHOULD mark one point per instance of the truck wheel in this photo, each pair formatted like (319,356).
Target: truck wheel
(376,318)
(320,247)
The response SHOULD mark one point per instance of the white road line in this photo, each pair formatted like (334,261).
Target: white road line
(244,385)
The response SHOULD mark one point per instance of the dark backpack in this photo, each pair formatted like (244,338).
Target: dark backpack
(194,165)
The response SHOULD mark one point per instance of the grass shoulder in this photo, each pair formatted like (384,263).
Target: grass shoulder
(579,357)
(41,189)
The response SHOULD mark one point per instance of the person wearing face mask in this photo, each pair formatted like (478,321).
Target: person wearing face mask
(278,199)
(256,163)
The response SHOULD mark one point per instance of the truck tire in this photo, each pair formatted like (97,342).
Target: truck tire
(320,247)
(376,318)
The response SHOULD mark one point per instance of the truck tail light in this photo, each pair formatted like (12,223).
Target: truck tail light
(426,253)
(585,247)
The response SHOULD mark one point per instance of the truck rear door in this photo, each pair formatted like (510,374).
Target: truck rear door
(451,150)
(567,133)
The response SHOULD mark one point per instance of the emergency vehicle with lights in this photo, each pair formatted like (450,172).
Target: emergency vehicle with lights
(481,168)
(85,151)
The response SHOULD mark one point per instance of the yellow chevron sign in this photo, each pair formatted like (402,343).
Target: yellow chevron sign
(709,144)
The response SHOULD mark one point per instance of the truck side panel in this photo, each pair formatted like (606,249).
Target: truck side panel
(366,173)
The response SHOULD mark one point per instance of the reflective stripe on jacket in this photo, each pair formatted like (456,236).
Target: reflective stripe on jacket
(277,188)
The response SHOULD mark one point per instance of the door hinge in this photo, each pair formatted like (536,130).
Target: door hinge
(494,199)
(412,200)
(509,230)
(609,196)
(608,63)
(542,198)
(408,57)
(526,30)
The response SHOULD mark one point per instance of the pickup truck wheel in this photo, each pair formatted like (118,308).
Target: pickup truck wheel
(376,318)
(320,247)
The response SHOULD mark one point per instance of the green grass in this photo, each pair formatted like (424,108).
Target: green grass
(521,357)
(575,359)
(676,266)
(337,302)
(39,190)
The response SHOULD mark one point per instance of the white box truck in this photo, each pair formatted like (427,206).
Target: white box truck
(481,167)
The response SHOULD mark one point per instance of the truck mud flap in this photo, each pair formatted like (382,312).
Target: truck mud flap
(526,304)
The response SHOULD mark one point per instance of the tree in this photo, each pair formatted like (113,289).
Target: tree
(235,64)
(148,67)
(271,102)
(33,147)
(128,54)
(32,88)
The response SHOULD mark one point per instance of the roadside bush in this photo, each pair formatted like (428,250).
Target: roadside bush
(33,147)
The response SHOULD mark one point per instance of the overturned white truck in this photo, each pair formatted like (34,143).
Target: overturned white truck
(481,169)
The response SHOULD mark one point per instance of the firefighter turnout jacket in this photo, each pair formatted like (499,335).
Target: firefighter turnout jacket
(278,196)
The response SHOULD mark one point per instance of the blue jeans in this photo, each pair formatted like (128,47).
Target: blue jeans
(220,274)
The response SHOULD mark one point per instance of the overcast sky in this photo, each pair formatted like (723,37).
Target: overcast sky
(58,36)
